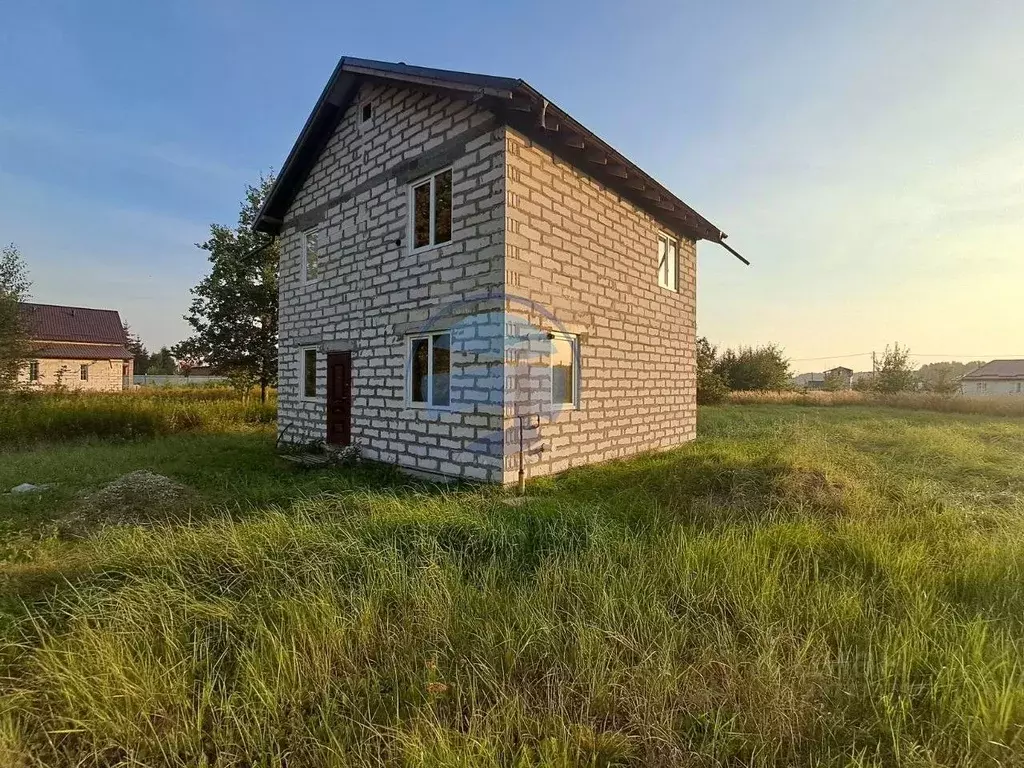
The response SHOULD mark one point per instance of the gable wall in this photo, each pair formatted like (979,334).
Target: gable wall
(373,292)
(588,261)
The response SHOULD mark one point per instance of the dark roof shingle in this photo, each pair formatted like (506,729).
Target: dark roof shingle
(53,322)
(82,352)
(998,369)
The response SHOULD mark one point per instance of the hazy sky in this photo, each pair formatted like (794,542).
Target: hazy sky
(868,157)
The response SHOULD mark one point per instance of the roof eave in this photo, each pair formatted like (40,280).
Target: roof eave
(519,106)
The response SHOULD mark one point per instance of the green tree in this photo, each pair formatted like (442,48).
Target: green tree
(895,373)
(944,378)
(162,363)
(15,345)
(711,387)
(234,309)
(140,355)
(750,368)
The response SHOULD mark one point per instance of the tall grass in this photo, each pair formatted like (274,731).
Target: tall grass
(770,596)
(1006,405)
(29,416)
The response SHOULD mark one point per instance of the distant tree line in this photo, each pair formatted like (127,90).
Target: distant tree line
(767,368)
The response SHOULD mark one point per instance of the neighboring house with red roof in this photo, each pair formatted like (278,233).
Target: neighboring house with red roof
(77,348)
(1000,377)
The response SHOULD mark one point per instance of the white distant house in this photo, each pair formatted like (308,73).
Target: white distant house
(1000,377)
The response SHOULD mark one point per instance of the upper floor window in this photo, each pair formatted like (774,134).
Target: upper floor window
(310,255)
(430,203)
(668,262)
(83,372)
(430,363)
(565,371)
(33,371)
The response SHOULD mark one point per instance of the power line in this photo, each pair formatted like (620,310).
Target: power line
(913,354)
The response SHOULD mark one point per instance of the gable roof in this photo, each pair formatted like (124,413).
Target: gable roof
(997,369)
(53,322)
(63,351)
(517,105)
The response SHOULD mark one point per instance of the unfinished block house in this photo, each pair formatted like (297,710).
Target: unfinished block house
(473,284)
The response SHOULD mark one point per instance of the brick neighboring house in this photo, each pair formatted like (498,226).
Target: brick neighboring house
(77,348)
(1000,377)
(467,271)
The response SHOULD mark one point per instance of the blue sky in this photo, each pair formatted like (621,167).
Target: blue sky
(867,156)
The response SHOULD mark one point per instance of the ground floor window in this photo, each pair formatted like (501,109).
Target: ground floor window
(308,373)
(83,372)
(33,371)
(429,369)
(565,371)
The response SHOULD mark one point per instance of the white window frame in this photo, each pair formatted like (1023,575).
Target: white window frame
(33,370)
(303,371)
(982,386)
(83,372)
(670,280)
(432,179)
(577,379)
(428,403)
(318,231)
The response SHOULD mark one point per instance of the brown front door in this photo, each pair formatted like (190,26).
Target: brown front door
(339,398)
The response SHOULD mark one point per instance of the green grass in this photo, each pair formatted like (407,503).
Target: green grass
(800,587)
(36,416)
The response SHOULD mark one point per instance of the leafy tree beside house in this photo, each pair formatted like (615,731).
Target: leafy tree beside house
(140,355)
(234,308)
(15,345)
(944,378)
(162,363)
(711,387)
(750,368)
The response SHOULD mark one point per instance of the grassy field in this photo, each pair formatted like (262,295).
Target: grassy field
(802,586)
(986,405)
(145,412)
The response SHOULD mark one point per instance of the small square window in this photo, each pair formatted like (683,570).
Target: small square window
(309,373)
(83,372)
(430,370)
(565,374)
(310,255)
(668,262)
(430,203)
(33,371)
